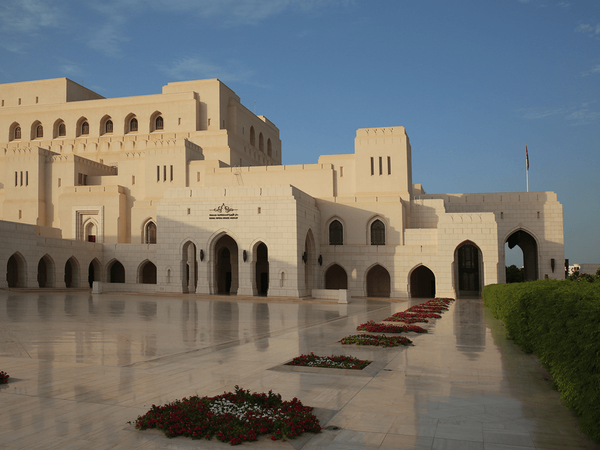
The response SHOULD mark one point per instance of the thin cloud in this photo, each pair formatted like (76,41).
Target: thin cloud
(23,20)
(577,115)
(108,39)
(196,67)
(589,29)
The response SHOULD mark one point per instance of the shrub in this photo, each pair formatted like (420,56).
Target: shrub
(559,321)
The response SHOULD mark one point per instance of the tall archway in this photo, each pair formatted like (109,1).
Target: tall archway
(422,283)
(468,259)
(189,268)
(261,269)
(336,277)
(116,272)
(16,271)
(147,273)
(529,247)
(71,273)
(94,272)
(226,265)
(45,276)
(378,282)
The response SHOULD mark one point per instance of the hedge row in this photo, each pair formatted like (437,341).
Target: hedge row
(559,321)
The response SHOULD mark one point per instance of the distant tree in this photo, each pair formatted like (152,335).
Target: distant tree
(514,274)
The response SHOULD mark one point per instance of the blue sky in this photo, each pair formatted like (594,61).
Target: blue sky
(472,81)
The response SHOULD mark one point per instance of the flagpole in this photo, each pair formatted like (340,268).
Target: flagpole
(527,165)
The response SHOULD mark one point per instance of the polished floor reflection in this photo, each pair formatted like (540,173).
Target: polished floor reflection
(84,365)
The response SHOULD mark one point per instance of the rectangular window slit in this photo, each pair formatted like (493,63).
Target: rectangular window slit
(372,166)
(389,158)
(171,173)
(380,165)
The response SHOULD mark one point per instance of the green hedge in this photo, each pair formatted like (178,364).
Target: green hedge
(559,321)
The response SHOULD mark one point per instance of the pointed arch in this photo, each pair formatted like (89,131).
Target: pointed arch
(82,127)
(115,272)
(335,229)
(72,273)
(131,124)
(422,282)
(37,130)
(46,272)
(157,122)
(529,245)
(308,258)
(16,270)
(269,147)
(226,263)
(106,125)
(336,277)
(59,129)
(149,231)
(468,272)
(260,261)
(378,281)
(90,231)
(261,142)
(146,272)
(94,271)
(252,137)
(377,231)
(14,132)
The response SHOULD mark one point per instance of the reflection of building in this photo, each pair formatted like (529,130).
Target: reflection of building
(184,191)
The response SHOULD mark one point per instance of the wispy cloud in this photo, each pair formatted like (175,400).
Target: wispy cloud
(582,114)
(20,19)
(589,29)
(196,67)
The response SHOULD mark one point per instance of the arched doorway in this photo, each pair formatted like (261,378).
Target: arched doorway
(45,276)
(262,269)
(528,246)
(307,258)
(378,282)
(93,272)
(71,273)
(15,271)
(147,274)
(422,283)
(116,272)
(226,265)
(336,277)
(189,268)
(468,260)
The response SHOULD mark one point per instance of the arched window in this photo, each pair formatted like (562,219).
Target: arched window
(85,128)
(261,143)
(62,130)
(108,126)
(39,131)
(133,124)
(150,233)
(269,147)
(17,133)
(252,136)
(336,233)
(377,233)
(159,123)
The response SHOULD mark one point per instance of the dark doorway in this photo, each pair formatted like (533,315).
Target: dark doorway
(15,271)
(226,265)
(468,269)
(528,245)
(336,278)
(378,282)
(262,269)
(148,273)
(68,274)
(117,273)
(422,283)
(189,268)
(45,275)
(93,272)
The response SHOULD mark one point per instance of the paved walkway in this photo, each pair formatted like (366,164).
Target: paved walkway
(84,365)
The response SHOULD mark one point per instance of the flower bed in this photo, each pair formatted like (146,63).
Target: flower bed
(430,309)
(373,327)
(4,377)
(379,341)
(413,317)
(232,417)
(334,362)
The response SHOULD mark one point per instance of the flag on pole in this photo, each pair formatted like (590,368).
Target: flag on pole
(527,157)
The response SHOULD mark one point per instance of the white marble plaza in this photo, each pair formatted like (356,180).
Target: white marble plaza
(82,366)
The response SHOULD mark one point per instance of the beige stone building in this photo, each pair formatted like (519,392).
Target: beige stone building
(184,191)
